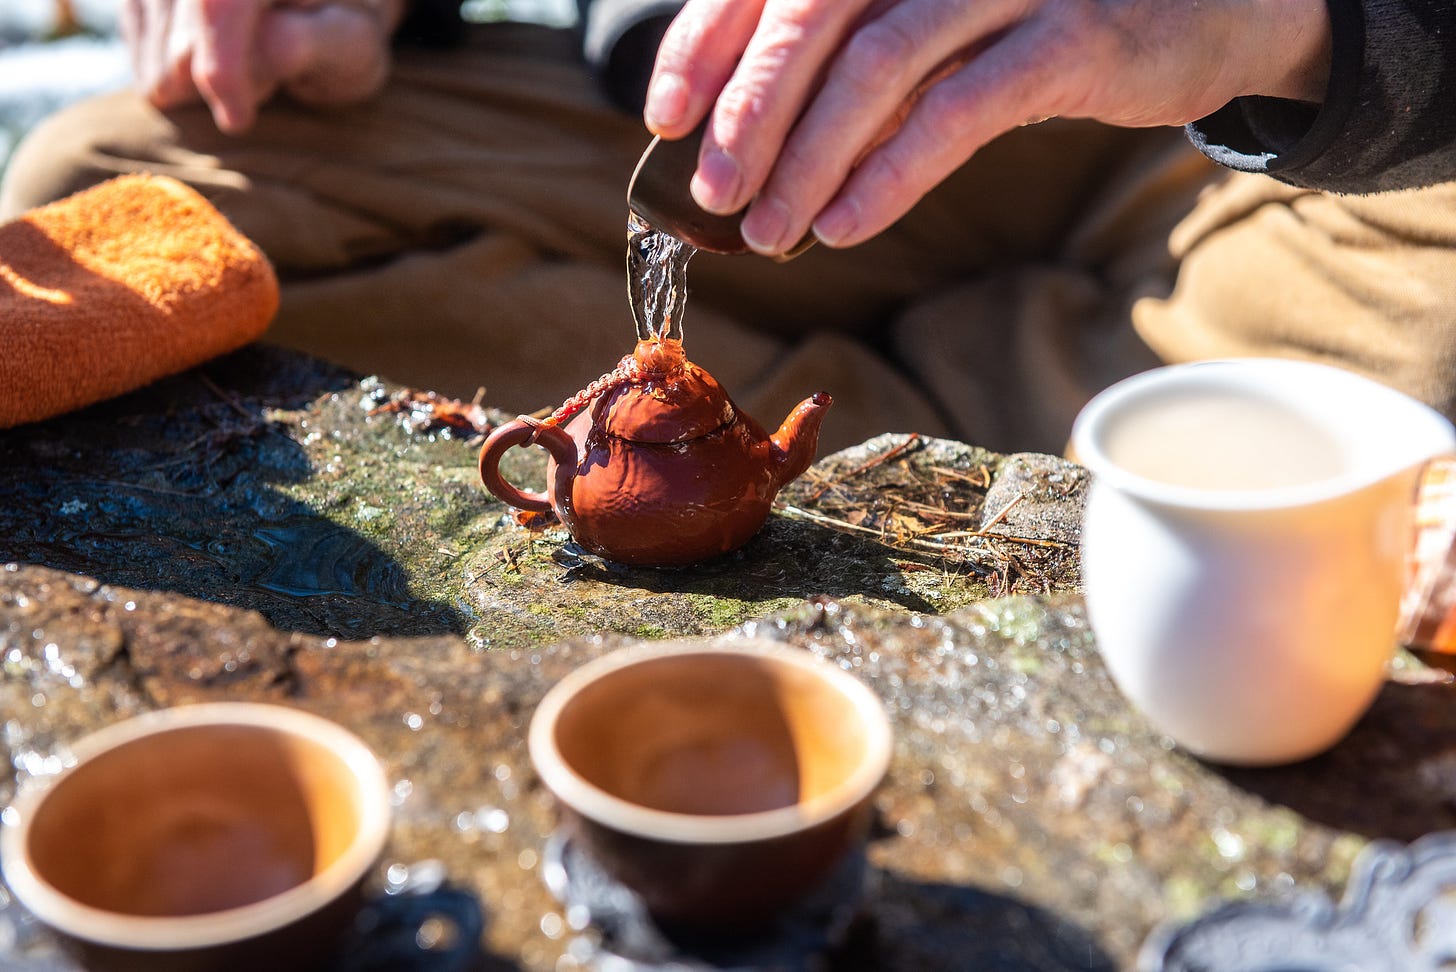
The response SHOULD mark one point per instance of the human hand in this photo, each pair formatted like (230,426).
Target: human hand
(838,115)
(236,54)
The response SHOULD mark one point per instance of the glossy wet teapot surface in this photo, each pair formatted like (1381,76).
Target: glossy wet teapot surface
(653,464)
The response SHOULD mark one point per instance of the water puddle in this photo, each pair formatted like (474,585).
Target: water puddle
(308,557)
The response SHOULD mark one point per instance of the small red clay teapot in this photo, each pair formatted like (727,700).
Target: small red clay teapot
(653,464)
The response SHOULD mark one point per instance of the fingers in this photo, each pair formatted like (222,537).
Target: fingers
(335,54)
(765,95)
(1017,80)
(694,60)
(132,20)
(234,54)
(160,64)
(803,92)
(222,61)
(873,80)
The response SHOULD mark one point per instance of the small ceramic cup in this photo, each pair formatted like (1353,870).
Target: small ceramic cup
(721,783)
(202,837)
(1243,547)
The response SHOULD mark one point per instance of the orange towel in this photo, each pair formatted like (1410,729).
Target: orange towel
(119,285)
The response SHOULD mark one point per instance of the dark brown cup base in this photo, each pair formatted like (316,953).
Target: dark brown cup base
(806,936)
(383,938)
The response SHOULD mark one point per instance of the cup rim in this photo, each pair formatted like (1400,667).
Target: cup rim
(159,933)
(1255,372)
(604,808)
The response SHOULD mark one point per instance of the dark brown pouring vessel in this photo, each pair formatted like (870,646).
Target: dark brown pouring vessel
(654,464)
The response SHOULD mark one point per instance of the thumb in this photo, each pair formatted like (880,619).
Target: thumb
(287,44)
(332,54)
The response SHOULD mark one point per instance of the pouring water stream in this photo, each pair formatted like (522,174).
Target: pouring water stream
(665,227)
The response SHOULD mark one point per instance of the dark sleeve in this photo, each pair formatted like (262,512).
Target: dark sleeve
(1388,120)
(431,23)
(619,41)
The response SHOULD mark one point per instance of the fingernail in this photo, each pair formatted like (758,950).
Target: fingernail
(765,226)
(667,102)
(836,223)
(715,184)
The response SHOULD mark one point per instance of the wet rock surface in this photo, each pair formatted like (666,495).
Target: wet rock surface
(259,529)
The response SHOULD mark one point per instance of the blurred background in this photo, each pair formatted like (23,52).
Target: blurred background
(52,52)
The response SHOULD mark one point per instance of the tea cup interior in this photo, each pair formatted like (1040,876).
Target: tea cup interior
(1253,430)
(199,825)
(696,744)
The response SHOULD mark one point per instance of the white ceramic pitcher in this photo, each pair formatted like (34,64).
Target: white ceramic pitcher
(1243,547)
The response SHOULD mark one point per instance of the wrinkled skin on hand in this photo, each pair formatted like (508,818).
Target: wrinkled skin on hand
(234,55)
(838,115)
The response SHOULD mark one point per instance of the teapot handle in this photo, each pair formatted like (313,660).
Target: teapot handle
(525,431)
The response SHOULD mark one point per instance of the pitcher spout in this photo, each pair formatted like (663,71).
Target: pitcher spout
(795,442)
(1408,438)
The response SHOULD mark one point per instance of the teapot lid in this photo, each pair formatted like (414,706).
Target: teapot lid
(670,399)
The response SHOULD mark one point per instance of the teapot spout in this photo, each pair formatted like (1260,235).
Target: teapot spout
(795,442)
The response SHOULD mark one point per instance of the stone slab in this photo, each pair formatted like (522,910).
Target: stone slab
(261,529)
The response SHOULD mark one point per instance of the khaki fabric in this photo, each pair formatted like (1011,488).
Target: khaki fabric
(1365,282)
(467,228)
